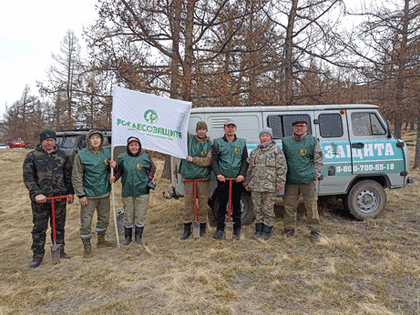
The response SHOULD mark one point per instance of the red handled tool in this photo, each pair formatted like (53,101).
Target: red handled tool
(196,223)
(55,248)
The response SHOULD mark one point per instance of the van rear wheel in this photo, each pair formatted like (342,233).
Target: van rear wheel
(366,199)
(247,209)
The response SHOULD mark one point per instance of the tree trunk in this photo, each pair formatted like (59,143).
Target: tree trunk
(417,155)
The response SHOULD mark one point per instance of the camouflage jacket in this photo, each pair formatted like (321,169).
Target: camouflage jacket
(47,173)
(267,168)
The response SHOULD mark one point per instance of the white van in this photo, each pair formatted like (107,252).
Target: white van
(362,156)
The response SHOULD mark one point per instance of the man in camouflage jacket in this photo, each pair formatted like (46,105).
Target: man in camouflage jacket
(47,173)
(265,177)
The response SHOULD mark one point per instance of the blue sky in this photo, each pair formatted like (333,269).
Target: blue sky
(30,32)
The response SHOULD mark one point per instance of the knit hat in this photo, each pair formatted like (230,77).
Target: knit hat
(267,131)
(229,121)
(46,134)
(201,125)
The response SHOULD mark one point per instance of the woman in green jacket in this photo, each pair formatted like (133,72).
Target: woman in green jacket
(137,170)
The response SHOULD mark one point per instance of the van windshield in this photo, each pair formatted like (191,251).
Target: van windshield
(67,142)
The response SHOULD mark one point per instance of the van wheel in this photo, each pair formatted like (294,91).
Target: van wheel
(247,209)
(366,199)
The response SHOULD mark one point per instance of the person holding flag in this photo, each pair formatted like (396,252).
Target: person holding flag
(137,171)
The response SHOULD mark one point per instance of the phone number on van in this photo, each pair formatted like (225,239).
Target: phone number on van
(365,167)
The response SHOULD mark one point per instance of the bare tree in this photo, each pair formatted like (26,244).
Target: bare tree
(386,48)
(64,78)
(310,34)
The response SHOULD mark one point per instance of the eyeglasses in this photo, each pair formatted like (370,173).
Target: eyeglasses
(299,126)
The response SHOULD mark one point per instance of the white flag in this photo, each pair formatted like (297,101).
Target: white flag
(160,123)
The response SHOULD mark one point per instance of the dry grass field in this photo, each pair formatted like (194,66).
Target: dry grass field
(358,267)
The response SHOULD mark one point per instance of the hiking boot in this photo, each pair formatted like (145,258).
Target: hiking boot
(35,262)
(63,254)
(266,232)
(202,229)
(139,234)
(258,230)
(102,242)
(314,236)
(87,247)
(187,231)
(218,235)
(128,233)
(288,233)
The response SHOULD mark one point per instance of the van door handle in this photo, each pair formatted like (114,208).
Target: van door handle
(358,145)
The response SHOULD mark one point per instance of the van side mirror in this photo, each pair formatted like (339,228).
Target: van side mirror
(388,129)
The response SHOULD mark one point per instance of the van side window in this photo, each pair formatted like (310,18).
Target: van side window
(330,125)
(282,124)
(366,124)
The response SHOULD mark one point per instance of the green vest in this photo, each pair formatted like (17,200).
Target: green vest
(189,170)
(299,157)
(230,156)
(96,172)
(134,178)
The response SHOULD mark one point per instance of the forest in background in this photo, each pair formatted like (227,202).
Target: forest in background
(231,53)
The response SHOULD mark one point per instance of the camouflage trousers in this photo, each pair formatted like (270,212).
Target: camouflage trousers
(291,199)
(42,213)
(135,210)
(188,213)
(264,206)
(102,207)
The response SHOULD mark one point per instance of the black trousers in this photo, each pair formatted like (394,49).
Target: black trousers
(42,213)
(223,193)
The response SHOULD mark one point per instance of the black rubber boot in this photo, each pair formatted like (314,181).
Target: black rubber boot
(63,254)
(139,234)
(266,232)
(128,232)
(202,229)
(187,231)
(258,230)
(35,262)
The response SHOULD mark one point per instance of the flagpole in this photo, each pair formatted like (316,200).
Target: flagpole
(113,200)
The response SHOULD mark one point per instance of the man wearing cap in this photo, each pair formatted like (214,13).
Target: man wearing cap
(47,173)
(304,165)
(196,166)
(265,177)
(229,160)
(91,170)
(137,170)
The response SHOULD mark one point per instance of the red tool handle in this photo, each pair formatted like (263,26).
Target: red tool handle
(230,197)
(53,215)
(195,192)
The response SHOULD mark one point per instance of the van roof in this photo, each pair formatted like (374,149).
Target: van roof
(281,108)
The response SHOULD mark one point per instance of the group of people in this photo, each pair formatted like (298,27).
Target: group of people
(264,173)
(48,172)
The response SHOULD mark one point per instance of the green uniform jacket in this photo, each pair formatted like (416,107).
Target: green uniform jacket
(91,171)
(200,151)
(135,174)
(229,158)
(300,159)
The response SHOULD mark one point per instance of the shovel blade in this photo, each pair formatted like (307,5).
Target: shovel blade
(196,229)
(229,231)
(55,253)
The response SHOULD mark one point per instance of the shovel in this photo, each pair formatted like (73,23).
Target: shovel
(229,224)
(55,248)
(196,223)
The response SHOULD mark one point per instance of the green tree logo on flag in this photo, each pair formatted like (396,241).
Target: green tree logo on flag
(151,116)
